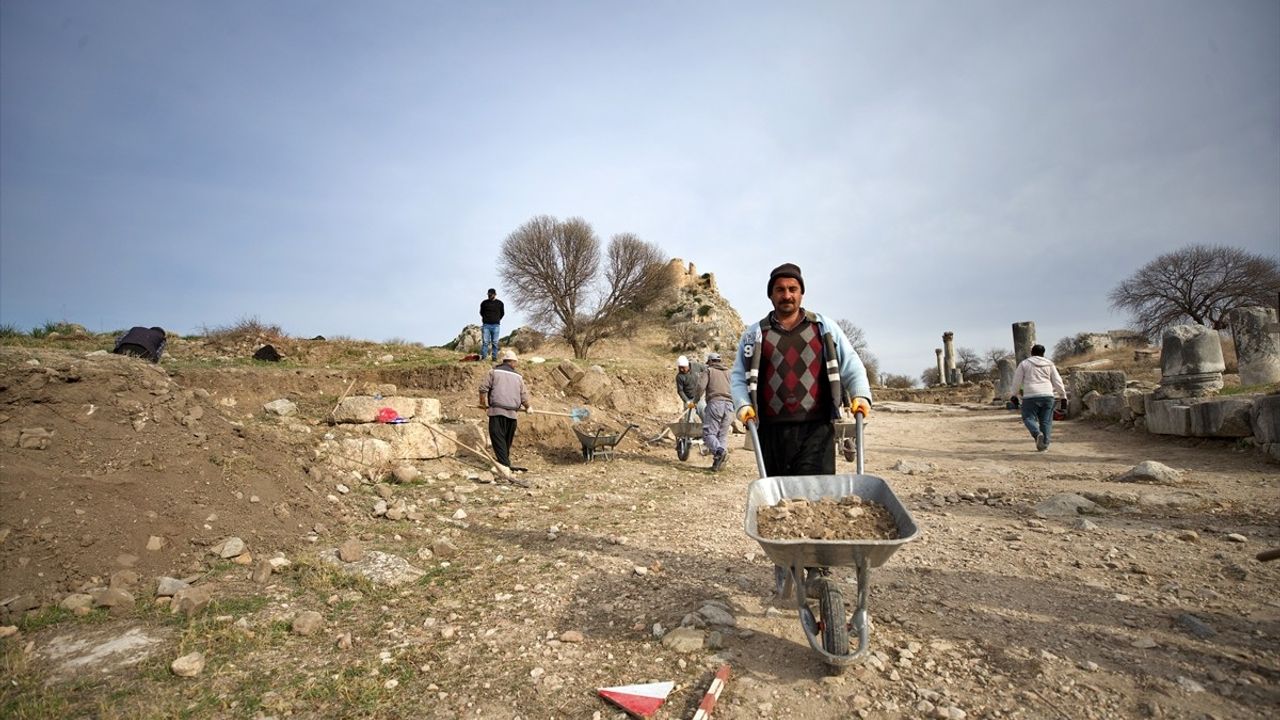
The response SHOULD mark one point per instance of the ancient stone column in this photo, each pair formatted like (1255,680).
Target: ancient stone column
(1191,362)
(1024,336)
(1256,335)
(942,369)
(1006,366)
(948,358)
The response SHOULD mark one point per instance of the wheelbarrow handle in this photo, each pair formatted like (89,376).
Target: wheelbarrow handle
(755,444)
(857,439)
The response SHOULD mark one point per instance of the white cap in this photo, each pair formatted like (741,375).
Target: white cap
(508,355)
(682,361)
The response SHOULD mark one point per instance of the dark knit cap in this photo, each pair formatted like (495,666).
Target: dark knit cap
(790,270)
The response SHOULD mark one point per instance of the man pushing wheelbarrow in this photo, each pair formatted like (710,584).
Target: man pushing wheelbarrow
(797,367)
(792,374)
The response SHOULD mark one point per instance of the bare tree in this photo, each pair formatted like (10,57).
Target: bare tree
(970,364)
(992,358)
(552,269)
(899,381)
(1069,347)
(858,339)
(1199,283)
(688,336)
(930,376)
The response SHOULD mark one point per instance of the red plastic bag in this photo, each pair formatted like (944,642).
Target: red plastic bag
(386,415)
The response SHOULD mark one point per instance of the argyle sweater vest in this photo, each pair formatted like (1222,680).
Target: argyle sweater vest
(793,378)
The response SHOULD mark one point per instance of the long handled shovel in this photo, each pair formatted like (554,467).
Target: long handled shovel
(578,414)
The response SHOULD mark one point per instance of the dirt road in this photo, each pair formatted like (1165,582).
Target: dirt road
(1152,606)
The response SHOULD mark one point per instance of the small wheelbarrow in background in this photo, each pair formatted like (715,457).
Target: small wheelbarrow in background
(687,432)
(828,630)
(600,442)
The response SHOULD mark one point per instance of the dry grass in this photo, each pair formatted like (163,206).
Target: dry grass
(244,328)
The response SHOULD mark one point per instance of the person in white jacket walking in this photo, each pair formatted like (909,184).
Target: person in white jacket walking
(1040,385)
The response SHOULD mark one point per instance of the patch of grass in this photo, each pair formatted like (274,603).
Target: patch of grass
(239,606)
(441,576)
(1249,390)
(8,330)
(43,618)
(324,580)
(22,693)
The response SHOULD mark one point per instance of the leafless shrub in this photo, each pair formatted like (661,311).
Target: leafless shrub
(858,338)
(688,336)
(930,376)
(891,380)
(248,327)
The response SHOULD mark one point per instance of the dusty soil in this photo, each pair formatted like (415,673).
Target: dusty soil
(846,518)
(533,598)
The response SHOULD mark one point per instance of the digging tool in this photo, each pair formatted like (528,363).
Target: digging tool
(578,414)
(498,467)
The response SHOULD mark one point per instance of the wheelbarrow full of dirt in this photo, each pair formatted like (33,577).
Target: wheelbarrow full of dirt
(687,432)
(600,441)
(828,629)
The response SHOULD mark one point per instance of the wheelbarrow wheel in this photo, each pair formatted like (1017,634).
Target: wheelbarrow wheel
(835,630)
(682,448)
(850,453)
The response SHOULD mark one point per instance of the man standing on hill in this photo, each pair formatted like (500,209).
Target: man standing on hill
(799,369)
(688,379)
(717,419)
(491,312)
(1040,383)
(503,392)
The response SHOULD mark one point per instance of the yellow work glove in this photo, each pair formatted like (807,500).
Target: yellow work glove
(746,413)
(860,405)
(691,404)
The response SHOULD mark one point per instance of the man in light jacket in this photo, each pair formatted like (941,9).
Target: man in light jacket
(1040,384)
(793,371)
(503,392)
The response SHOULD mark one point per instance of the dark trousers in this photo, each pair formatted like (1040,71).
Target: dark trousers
(802,448)
(502,432)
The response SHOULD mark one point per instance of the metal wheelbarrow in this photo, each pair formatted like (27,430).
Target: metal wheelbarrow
(601,442)
(687,432)
(827,630)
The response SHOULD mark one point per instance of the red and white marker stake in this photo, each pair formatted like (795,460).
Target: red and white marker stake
(713,693)
(641,701)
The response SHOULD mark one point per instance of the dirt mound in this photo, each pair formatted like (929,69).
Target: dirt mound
(99,454)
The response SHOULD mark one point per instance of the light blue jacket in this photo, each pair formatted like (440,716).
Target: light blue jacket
(852,373)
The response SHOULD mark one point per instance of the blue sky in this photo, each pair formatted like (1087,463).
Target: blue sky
(352,168)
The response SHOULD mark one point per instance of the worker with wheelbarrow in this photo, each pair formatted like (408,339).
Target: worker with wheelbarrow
(792,373)
(714,390)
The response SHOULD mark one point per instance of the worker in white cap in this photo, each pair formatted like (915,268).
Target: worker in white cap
(688,379)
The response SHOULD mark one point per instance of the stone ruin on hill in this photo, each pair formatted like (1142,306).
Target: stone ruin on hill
(698,318)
